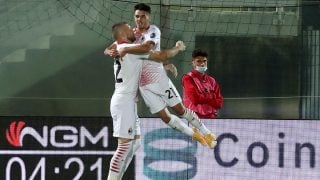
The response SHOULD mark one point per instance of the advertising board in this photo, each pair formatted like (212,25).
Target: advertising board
(66,148)
(247,149)
(56,148)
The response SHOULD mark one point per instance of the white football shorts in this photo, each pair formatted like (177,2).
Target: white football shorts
(126,123)
(158,96)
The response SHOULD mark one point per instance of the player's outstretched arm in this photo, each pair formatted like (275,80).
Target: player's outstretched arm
(112,51)
(166,54)
(139,49)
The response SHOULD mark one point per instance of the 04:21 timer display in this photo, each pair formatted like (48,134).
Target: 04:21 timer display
(56,167)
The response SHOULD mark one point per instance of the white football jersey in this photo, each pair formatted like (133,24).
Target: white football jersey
(152,34)
(152,71)
(127,71)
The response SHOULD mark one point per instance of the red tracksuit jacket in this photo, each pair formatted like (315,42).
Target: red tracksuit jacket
(201,94)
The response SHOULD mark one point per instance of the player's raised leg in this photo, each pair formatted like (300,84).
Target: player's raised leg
(177,123)
(195,121)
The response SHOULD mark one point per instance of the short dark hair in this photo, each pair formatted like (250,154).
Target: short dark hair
(199,52)
(142,7)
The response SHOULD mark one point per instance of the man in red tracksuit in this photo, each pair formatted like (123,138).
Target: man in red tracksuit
(201,92)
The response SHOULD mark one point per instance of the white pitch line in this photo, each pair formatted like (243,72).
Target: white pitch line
(54,152)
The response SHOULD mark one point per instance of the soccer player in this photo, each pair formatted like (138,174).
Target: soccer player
(155,86)
(126,124)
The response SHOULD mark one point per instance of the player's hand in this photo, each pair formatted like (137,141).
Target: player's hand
(111,52)
(180,45)
(172,68)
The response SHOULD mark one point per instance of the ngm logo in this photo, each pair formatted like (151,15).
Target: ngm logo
(59,136)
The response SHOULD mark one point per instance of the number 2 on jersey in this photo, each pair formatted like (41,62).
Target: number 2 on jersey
(118,80)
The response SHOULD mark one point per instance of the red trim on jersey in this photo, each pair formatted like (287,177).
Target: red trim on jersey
(122,42)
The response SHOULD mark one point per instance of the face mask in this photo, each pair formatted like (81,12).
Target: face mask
(201,69)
